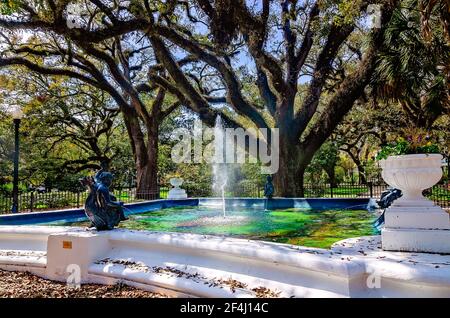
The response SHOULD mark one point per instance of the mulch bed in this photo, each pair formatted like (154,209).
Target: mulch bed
(26,285)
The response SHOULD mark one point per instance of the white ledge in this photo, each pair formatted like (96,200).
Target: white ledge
(293,270)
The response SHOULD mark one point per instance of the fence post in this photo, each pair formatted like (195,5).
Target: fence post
(370,184)
(31,201)
(78,199)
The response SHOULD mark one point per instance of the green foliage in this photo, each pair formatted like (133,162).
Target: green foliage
(6,189)
(52,202)
(67,129)
(197,178)
(6,148)
(341,12)
(404,147)
(8,7)
(412,70)
(326,160)
(328,155)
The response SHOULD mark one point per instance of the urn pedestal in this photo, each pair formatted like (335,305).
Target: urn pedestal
(176,192)
(414,223)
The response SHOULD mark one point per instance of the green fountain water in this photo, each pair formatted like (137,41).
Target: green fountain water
(294,226)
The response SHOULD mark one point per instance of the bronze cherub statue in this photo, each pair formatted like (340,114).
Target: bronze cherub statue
(269,188)
(101,207)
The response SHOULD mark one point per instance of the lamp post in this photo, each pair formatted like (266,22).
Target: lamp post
(17,115)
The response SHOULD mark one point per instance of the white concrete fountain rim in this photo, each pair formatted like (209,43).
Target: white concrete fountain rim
(350,259)
(292,255)
(278,252)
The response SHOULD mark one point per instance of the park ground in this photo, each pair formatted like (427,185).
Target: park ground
(26,285)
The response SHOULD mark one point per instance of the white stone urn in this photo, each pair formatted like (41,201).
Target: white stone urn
(176,182)
(414,223)
(412,174)
(176,192)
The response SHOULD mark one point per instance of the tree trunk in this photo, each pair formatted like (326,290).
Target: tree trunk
(331,176)
(147,187)
(145,155)
(361,170)
(361,174)
(287,181)
(359,165)
(147,181)
(152,150)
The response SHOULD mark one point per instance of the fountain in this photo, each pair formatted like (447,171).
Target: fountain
(221,178)
(219,166)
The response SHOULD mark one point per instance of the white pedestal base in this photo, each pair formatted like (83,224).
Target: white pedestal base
(68,252)
(416,226)
(177,193)
(416,240)
(432,218)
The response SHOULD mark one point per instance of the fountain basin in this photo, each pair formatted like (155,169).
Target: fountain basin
(316,223)
(181,264)
(188,264)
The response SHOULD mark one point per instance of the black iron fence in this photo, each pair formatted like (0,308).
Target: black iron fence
(440,193)
(33,201)
(344,190)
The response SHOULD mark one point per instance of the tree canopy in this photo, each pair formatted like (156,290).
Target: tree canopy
(299,66)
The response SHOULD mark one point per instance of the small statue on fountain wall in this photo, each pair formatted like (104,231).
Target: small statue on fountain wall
(269,188)
(101,207)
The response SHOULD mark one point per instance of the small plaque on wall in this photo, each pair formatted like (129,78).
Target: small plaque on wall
(67,245)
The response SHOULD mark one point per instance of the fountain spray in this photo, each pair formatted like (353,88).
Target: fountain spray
(220,172)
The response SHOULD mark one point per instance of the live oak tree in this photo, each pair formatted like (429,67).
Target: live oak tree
(367,127)
(169,44)
(6,148)
(284,41)
(69,127)
(58,111)
(114,61)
